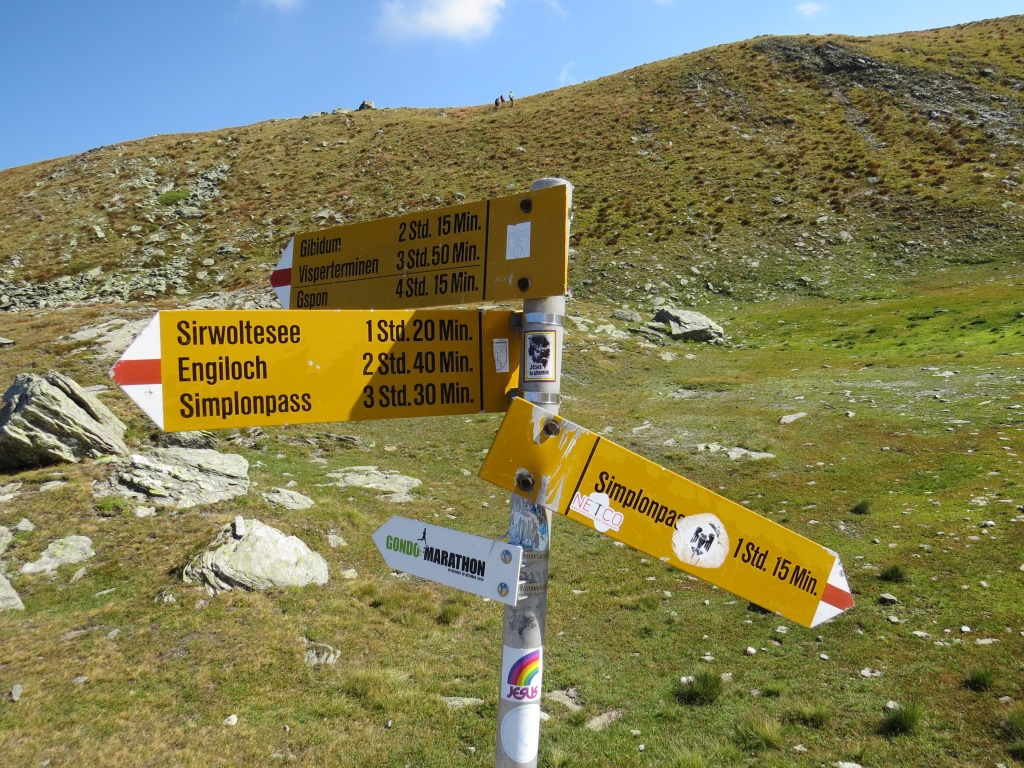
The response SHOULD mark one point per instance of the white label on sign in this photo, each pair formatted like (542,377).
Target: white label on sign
(500,355)
(517,242)
(701,540)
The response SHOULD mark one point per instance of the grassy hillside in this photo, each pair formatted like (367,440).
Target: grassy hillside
(849,209)
(822,165)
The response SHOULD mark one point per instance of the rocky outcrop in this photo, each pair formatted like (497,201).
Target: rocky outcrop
(66,551)
(250,555)
(52,420)
(180,477)
(9,600)
(686,325)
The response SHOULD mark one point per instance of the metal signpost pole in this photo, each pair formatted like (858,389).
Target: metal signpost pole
(522,662)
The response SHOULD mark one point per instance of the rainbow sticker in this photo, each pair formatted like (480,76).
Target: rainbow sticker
(521,672)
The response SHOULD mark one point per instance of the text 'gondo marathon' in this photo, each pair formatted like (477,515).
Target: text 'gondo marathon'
(225,368)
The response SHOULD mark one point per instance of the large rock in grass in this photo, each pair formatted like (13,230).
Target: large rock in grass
(181,477)
(9,600)
(250,555)
(52,420)
(66,551)
(686,325)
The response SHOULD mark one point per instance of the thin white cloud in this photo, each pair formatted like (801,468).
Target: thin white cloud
(557,8)
(282,5)
(458,19)
(565,76)
(809,9)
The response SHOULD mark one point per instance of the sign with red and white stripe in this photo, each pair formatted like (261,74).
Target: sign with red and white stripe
(503,249)
(217,369)
(577,473)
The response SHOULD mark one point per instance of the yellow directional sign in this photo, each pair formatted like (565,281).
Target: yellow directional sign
(503,249)
(570,470)
(214,369)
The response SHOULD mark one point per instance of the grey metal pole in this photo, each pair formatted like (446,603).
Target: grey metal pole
(522,656)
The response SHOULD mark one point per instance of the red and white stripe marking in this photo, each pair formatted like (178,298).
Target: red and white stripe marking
(281,277)
(137,372)
(836,598)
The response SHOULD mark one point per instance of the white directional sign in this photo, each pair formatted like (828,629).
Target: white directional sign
(485,567)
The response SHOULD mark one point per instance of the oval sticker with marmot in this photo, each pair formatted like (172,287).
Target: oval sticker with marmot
(701,540)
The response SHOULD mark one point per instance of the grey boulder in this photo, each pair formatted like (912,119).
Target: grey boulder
(181,477)
(686,325)
(52,420)
(251,555)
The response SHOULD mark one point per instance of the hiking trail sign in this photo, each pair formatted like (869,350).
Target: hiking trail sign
(570,470)
(485,567)
(502,249)
(217,369)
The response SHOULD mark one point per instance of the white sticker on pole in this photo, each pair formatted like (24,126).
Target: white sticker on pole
(520,733)
(517,241)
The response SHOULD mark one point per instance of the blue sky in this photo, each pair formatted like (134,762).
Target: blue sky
(79,74)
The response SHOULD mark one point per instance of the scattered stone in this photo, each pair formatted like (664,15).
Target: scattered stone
(685,325)
(987,640)
(282,497)
(790,418)
(751,651)
(320,654)
(6,342)
(920,634)
(569,698)
(80,680)
(192,439)
(230,720)
(869,672)
(180,477)
(892,706)
(335,541)
(887,599)
(16,692)
(458,702)
(6,536)
(600,722)
(396,487)
(66,551)
(261,559)
(52,420)
(9,599)
(628,316)
(846,764)
(735,454)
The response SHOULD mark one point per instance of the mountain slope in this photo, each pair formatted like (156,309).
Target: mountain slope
(818,164)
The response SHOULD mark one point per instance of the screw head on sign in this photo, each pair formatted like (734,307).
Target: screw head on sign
(524,284)
(551,428)
(503,589)
(524,481)
(506,556)
(526,205)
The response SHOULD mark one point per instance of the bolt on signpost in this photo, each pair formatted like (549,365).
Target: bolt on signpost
(522,657)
